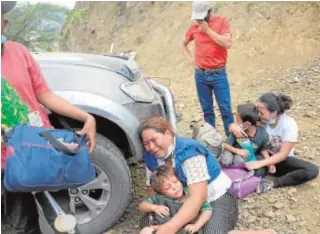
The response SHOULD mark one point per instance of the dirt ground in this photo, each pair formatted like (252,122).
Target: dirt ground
(276,47)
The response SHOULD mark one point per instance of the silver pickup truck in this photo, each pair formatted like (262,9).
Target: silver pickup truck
(114,90)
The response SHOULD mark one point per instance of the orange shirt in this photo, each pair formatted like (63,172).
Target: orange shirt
(208,54)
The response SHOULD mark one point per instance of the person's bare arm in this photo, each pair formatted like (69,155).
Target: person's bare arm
(285,149)
(224,40)
(146,207)
(160,210)
(204,217)
(187,54)
(265,154)
(276,158)
(230,148)
(61,106)
(242,152)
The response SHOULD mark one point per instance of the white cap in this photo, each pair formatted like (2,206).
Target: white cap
(200,9)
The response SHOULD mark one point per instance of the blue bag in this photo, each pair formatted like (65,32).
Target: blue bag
(38,159)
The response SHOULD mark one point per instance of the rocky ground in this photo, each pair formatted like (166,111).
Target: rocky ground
(293,210)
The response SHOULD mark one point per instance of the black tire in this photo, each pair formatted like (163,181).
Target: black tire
(110,159)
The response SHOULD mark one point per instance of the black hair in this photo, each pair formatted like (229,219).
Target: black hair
(248,113)
(208,16)
(276,102)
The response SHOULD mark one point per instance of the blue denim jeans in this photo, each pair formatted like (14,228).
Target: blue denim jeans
(217,83)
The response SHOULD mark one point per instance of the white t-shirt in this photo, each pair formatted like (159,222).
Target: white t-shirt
(196,170)
(285,131)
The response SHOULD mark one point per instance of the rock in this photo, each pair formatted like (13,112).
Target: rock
(246,214)
(311,156)
(302,223)
(136,226)
(278,205)
(292,190)
(268,214)
(291,218)
(251,219)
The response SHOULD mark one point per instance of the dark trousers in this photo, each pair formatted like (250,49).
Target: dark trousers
(294,171)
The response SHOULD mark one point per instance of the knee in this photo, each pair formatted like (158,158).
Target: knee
(226,158)
(261,172)
(238,160)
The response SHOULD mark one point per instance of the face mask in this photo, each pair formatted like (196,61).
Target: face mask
(169,152)
(273,120)
(3,39)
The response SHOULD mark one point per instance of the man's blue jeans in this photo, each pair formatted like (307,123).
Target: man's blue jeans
(214,82)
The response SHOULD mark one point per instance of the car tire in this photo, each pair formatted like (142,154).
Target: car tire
(110,159)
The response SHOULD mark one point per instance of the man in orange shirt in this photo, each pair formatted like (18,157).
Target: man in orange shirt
(212,39)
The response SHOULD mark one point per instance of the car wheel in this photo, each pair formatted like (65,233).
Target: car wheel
(100,203)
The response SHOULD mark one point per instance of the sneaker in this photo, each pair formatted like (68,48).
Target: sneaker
(264,186)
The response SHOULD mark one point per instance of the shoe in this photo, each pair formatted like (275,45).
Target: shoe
(264,186)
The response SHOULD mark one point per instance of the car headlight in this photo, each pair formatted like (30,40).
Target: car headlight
(139,91)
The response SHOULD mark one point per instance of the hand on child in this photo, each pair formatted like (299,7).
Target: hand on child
(243,153)
(160,210)
(191,228)
(253,165)
(272,169)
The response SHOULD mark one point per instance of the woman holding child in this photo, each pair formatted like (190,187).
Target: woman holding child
(283,135)
(197,169)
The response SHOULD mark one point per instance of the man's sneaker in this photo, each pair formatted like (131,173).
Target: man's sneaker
(264,186)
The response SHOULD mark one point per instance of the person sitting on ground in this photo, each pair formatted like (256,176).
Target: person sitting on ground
(168,200)
(283,134)
(247,117)
(197,168)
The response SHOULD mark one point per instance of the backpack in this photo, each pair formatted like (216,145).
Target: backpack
(208,136)
(40,159)
(243,182)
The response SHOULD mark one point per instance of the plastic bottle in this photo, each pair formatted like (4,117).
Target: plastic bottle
(246,144)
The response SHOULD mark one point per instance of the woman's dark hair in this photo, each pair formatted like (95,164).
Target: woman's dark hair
(158,124)
(248,113)
(276,102)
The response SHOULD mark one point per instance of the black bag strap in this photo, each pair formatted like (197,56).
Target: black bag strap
(57,144)
(62,120)
(64,123)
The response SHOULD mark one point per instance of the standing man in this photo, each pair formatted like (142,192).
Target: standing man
(212,38)
(26,89)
